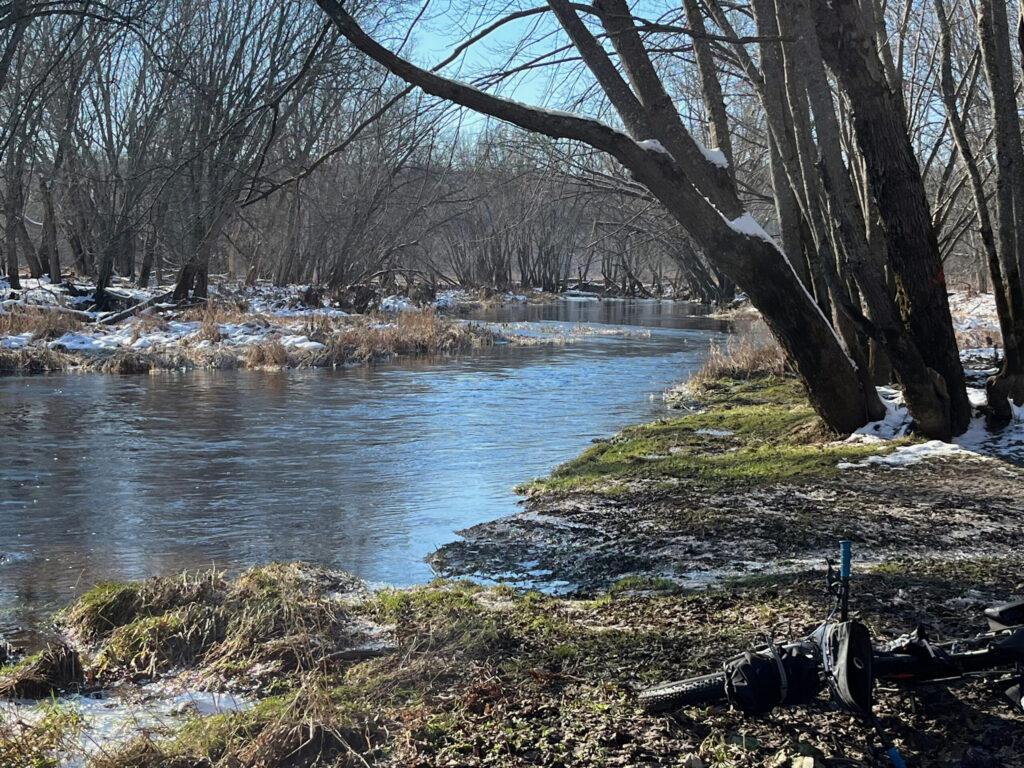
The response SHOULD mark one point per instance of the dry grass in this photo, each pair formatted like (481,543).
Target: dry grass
(43,324)
(54,669)
(346,340)
(267,354)
(126,363)
(35,360)
(412,333)
(750,354)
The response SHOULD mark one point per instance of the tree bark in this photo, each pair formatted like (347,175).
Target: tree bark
(994,37)
(896,184)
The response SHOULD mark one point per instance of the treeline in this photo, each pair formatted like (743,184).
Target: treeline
(880,142)
(167,139)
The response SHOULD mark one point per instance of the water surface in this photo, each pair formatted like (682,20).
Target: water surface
(366,469)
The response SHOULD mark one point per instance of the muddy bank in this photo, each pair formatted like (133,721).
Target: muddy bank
(747,485)
(454,674)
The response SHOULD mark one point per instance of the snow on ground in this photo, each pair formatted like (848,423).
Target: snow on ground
(112,717)
(978,440)
(971,309)
(974,316)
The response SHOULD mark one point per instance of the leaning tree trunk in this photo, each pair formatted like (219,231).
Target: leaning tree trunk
(993,33)
(695,191)
(896,184)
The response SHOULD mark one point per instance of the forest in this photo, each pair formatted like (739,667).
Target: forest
(877,142)
(443,383)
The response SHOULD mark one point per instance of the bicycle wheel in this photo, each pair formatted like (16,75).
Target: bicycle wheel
(666,697)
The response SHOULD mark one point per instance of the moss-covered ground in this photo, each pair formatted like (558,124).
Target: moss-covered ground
(747,432)
(458,674)
(463,675)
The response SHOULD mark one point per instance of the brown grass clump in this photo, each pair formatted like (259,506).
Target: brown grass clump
(271,621)
(43,324)
(745,357)
(109,605)
(126,363)
(267,354)
(34,360)
(412,333)
(54,669)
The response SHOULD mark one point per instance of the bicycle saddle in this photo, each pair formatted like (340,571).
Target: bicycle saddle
(1006,615)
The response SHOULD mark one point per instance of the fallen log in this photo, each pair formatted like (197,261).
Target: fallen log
(124,314)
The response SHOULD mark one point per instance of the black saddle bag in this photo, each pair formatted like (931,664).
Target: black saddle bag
(756,683)
(848,654)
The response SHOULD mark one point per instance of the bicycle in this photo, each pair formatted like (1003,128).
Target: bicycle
(840,656)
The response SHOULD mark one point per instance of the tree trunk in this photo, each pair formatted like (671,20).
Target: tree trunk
(896,184)
(993,33)
(48,250)
(12,209)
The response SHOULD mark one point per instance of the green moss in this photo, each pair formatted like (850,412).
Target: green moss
(104,608)
(760,431)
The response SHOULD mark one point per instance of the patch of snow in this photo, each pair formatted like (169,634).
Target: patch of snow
(713,155)
(978,440)
(906,455)
(653,145)
(397,304)
(747,225)
(895,423)
(714,432)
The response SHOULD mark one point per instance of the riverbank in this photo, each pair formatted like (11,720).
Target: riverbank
(746,482)
(324,673)
(45,328)
(680,541)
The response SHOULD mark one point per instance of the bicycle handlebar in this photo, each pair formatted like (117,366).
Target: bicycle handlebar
(846,554)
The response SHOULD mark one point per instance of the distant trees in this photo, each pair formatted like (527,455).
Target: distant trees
(879,142)
(856,283)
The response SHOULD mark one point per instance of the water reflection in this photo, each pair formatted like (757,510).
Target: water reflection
(365,469)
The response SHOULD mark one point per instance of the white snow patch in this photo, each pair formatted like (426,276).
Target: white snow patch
(906,455)
(714,432)
(714,155)
(397,304)
(747,225)
(895,423)
(978,440)
(653,145)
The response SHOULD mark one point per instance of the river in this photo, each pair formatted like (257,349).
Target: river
(366,469)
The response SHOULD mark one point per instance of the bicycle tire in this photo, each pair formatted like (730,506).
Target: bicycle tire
(666,697)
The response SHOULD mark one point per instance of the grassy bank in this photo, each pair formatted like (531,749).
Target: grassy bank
(750,431)
(225,337)
(458,674)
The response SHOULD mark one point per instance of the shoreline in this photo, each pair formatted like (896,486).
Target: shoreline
(452,673)
(256,329)
(743,487)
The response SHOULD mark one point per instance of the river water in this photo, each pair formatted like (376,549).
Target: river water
(366,469)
